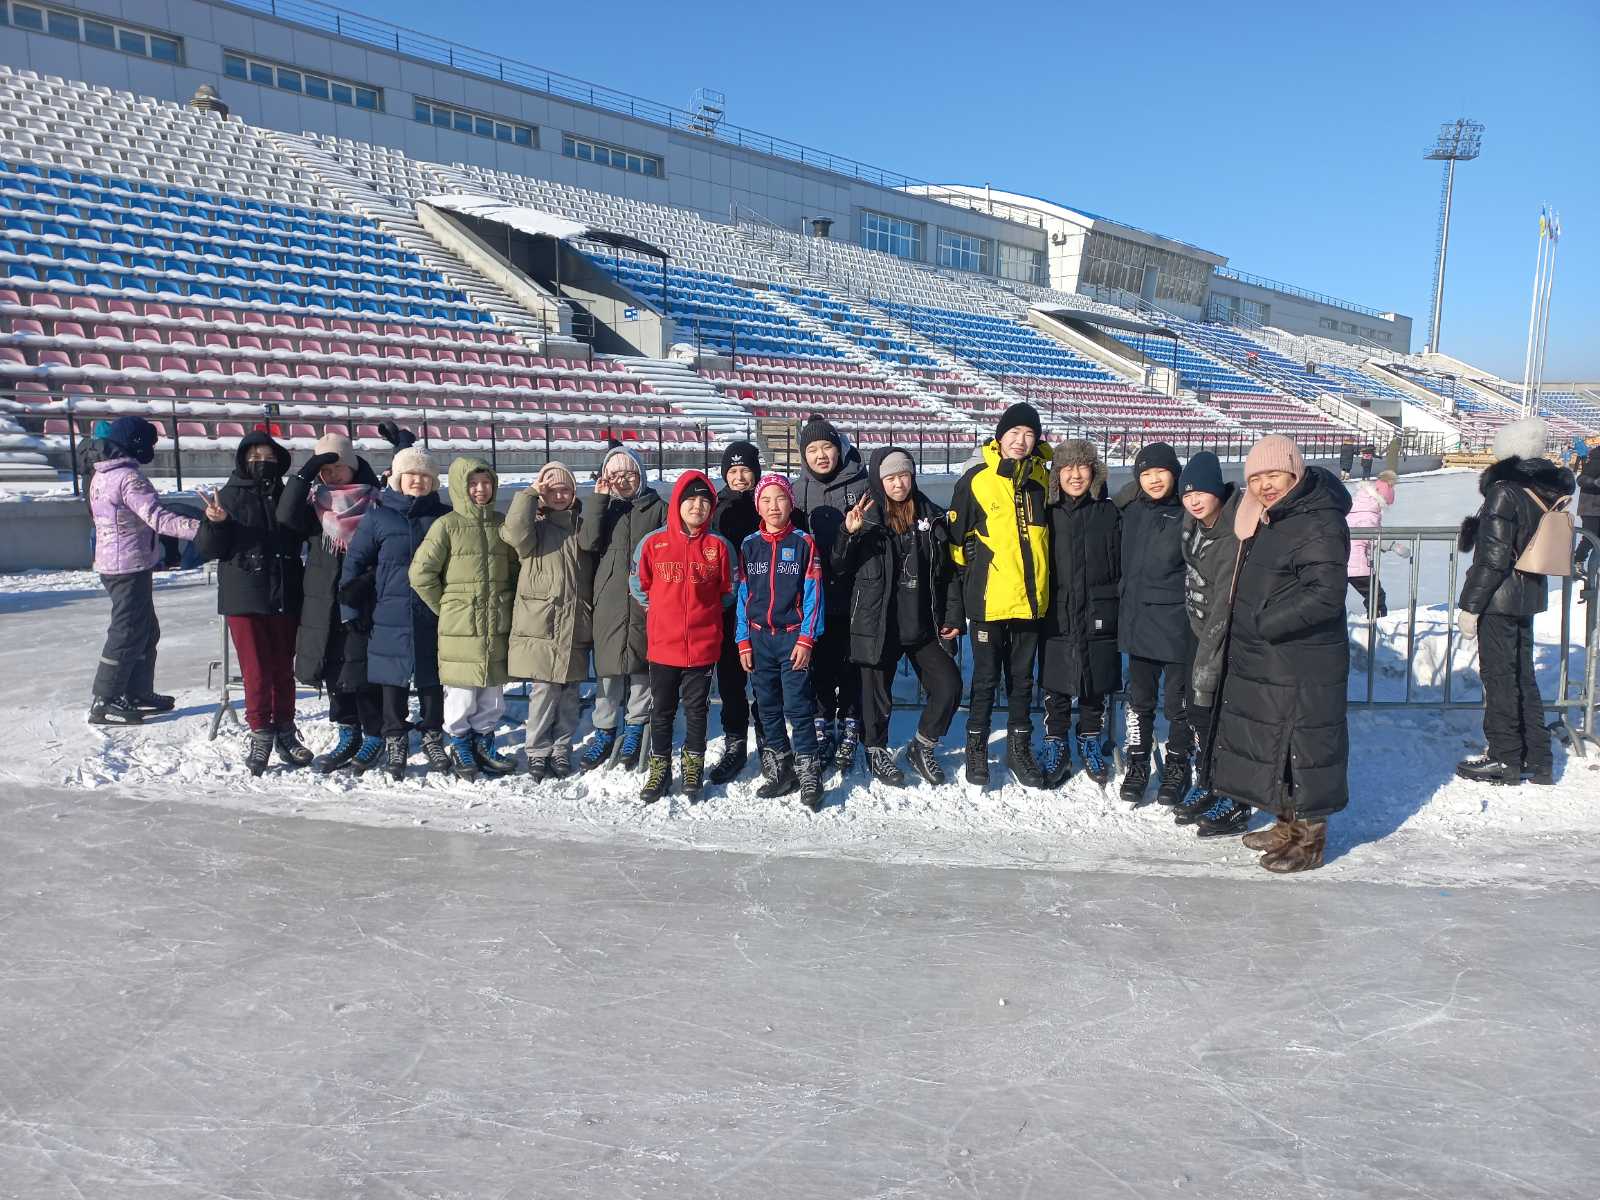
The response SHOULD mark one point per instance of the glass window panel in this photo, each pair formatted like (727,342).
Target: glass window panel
(366,98)
(63,24)
(98,33)
(441,116)
(260,73)
(233,66)
(422,111)
(133,43)
(317,86)
(288,80)
(342,94)
(485,127)
(568,147)
(652,167)
(164,49)
(25,16)
(524,136)
(585,152)
(463,122)
(502,133)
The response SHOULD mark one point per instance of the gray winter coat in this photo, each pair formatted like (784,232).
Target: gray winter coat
(610,529)
(552,623)
(1208,560)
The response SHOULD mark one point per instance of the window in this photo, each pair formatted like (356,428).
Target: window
(891,235)
(1118,264)
(611,156)
(237,65)
(444,116)
(107,35)
(1021,264)
(962,251)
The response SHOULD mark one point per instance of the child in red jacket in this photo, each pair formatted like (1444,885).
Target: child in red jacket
(683,577)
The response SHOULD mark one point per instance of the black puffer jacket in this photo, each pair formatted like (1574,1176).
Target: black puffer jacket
(1589,485)
(321,653)
(1152,622)
(1500,532)
(1281,742)
(824,503)
(259,570)
(1079,656)
(1209,557)
(869,559)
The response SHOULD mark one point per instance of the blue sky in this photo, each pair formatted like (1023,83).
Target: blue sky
(1288,136)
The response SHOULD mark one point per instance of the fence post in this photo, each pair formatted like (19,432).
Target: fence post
(705,448)
(177,446)
(661,453)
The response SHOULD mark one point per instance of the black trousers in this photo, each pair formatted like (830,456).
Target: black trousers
(1362,586)
(1580,557)
(1513,713)
(834,678)
(669,686)
(733,687)
(362,708)
(940,678)
(128,659)
(396,707)
(1200,718)
(1058,715)
(1144,674)
(1008,648)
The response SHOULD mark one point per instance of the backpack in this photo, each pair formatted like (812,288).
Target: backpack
(1549,551)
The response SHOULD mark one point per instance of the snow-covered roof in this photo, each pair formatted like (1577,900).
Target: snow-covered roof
(534,221)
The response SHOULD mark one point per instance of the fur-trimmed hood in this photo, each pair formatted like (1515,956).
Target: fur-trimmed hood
(1097,484)
(1545,477)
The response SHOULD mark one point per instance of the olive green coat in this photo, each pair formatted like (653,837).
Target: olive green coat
(552,624)
(467,575)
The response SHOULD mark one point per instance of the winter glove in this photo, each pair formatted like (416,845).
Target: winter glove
(395,436)
(1403,549)
(314,464)
(360,626)
(1468,624)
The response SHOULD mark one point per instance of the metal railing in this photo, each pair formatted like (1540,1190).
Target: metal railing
(1289,289)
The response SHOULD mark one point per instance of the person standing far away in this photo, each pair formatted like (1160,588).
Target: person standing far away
(1000,543)
(1366,512)
(1152,627)
(832,481)
(1282,742)
(780,617)
(128,525)
(259,582)
(1210,553)
(735,518)
(614,520)
(1079,656)
(1588,510)
(896,549)
(1499,601)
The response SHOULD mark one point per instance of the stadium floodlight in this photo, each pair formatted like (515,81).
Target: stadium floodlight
(1459,141)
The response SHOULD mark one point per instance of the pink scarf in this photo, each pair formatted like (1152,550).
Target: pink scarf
(340,510)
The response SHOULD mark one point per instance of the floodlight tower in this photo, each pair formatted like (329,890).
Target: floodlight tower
(1459,141)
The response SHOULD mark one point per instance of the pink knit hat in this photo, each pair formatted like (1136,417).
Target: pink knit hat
(1385,489)
(1275,453)
(777,481)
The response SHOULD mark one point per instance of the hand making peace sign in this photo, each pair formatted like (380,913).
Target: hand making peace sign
(856,517)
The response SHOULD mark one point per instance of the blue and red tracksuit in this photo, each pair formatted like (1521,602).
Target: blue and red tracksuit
(780,607)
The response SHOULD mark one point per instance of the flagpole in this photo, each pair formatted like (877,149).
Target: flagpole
(1544,316)
(1533,323)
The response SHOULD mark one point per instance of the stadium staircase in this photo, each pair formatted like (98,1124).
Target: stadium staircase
(689,393)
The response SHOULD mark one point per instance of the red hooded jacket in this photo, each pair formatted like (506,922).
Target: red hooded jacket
(683,582)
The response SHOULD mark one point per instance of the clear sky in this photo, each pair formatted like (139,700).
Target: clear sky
(1287,136)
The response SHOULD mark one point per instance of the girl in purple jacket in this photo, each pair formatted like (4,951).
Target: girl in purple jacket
(128,525)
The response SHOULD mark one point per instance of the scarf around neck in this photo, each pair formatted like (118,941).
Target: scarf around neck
(339,510)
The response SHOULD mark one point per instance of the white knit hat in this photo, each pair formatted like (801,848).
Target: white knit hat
(1521,439)
(414,460)
(337,443)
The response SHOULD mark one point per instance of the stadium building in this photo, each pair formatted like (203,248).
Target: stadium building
(224,214)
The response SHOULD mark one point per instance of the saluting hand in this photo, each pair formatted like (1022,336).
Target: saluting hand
(856,517)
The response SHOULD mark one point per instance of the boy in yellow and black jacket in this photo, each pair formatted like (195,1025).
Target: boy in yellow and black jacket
(1000,542)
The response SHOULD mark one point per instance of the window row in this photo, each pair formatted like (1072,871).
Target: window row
(92,31)
(611,156)
(444,116)
(964,252)
(307,83)
(891,235)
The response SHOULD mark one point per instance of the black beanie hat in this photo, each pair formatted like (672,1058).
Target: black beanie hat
(741,454)
(1202,474)
(1157,456)
(1019,414)
(819,429)
(696,487)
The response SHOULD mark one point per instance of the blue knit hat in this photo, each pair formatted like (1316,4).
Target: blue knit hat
(1203,474)
(135,437)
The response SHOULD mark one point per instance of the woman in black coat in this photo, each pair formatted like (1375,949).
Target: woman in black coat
(1281,741)
(1152,627)
(1498,604)
(1078,655)
(894,546)
(259,578)
(324,503)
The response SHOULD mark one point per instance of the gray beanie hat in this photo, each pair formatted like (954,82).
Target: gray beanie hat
(896,462)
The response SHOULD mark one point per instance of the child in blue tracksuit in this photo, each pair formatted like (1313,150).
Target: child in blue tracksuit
(779,618)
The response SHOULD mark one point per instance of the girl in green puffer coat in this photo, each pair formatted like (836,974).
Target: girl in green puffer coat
(467,575)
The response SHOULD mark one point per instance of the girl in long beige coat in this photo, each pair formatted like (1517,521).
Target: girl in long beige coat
(552,627)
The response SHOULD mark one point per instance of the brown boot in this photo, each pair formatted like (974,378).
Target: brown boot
(1304,851)
(1268,840)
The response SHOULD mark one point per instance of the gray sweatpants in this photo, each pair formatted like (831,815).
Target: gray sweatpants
(609,696)
(552,717)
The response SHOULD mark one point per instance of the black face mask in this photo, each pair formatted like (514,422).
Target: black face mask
(144,453)
(264,470)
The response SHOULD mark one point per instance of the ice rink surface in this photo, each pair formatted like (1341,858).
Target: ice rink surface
(223,987)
